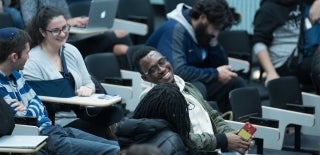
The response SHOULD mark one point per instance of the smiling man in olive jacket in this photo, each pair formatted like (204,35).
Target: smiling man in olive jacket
(209,131)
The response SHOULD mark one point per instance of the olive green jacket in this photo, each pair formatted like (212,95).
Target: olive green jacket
(204,141)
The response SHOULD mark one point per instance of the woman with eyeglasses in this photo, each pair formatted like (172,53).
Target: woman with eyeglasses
(52,59)
(117,41)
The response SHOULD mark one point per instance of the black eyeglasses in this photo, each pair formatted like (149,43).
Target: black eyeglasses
(58,31)
(161,63)
(8,33)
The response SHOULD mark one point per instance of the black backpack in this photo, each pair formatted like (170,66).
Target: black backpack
(6,118)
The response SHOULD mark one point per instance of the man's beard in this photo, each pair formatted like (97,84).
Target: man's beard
(202,35)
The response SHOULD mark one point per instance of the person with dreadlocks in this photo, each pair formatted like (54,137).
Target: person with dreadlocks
(165,104)
(161,119)
(208,130)
(165,101)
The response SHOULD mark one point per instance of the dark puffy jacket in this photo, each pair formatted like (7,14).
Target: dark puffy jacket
(6,118)
(151,131)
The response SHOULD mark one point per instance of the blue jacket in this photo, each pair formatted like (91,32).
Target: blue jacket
(175,39)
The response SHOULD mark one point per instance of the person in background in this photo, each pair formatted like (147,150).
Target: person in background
(14,52)
(12,7)
(116,41)
(51,58)
(281,38)
(188,40)
(314,16)
(208,130)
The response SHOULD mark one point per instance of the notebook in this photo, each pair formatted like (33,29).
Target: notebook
(101,17)
(21,142)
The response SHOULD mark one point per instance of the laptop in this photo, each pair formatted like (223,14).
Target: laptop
(21,142)
(101,17)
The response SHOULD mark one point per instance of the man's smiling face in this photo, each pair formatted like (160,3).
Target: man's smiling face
(156,68)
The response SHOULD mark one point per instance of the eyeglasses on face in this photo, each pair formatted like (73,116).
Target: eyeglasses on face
(155,68)
(57,31)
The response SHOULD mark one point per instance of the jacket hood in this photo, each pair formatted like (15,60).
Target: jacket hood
(177,15)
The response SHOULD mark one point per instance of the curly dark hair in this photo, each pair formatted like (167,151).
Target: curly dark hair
(218,13)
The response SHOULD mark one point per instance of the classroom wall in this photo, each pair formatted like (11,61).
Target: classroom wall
(247,9)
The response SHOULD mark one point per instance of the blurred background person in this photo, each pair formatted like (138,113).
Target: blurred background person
(12,7)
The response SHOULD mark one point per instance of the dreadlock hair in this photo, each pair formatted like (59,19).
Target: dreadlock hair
(139,54)
(217,11)
(165,101)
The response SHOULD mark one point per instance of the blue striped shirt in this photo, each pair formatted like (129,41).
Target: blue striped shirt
(15,87)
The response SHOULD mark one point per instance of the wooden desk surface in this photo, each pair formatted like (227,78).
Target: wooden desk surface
(93,100)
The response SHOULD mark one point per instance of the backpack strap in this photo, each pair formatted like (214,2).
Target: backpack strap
(64,64)
(300,44)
